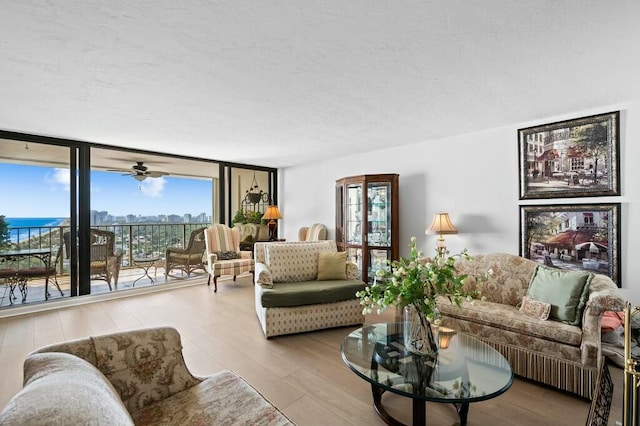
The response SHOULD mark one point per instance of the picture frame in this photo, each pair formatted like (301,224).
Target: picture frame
(583,237)
(572,158)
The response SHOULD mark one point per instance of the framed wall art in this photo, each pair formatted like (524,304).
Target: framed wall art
(574,158)
(582,237)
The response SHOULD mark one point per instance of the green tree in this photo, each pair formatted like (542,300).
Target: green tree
(5,241)
(540,227)
(593,141)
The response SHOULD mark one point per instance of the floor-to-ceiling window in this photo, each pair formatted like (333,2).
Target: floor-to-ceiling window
(85,194)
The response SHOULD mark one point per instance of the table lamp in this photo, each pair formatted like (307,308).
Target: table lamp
(445,335)
(441,225)
(272,214)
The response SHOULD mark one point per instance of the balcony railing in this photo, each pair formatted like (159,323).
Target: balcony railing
(134,240)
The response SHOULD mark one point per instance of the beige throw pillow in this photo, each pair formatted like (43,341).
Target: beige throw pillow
(332,266)
(535,308)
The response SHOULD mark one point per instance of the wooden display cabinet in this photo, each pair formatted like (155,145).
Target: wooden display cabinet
(367,221)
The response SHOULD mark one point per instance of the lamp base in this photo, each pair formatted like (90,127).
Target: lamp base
(272,230)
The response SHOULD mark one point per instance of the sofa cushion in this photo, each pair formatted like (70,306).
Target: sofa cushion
(290,262)
(221,399)
(309,293)
(535,308)
(64,389)
(507,317)
(508,282)
(332,266)
(566,291)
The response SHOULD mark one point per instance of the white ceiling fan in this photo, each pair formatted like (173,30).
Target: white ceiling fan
(140,172)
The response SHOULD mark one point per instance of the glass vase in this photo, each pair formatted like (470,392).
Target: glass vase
(419,335)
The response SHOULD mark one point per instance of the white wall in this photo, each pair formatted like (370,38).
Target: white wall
(474,177)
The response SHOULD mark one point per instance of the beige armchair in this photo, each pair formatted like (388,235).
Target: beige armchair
(224,256)
(187,259)
(316,232)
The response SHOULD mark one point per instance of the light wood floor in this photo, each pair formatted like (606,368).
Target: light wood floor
(303,374)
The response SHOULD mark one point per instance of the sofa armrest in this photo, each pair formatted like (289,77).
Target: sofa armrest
(603,296)
(82,348)
(262,275)
(144,366)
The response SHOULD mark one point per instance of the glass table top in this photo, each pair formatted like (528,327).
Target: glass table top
(467,370)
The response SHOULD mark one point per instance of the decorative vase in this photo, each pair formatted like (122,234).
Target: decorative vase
(419,336)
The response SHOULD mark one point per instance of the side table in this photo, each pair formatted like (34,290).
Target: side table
(145,263)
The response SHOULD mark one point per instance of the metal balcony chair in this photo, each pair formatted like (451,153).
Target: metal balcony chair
(187,259)
(48,271)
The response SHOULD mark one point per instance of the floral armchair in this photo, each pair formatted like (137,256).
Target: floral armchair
(131,377)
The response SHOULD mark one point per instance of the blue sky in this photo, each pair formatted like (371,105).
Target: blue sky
(33,191)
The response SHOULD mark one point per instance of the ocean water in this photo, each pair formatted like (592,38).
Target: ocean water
(29,222)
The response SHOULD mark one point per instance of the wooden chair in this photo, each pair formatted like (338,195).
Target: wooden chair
(224,256)
(187,259)
(105,260)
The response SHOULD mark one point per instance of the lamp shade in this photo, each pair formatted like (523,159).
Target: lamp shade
(272,213)
(441,225)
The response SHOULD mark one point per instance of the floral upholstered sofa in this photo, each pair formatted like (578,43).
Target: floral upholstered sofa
(304,286)
(134,377)
(565,355)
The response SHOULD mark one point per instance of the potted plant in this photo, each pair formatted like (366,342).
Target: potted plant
(414,284)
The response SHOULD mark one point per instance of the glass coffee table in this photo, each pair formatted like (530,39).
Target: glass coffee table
(466,371)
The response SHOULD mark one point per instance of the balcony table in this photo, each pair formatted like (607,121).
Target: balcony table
(146,263)
(18,277)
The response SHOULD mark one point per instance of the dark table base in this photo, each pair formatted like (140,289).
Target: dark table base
(419,415)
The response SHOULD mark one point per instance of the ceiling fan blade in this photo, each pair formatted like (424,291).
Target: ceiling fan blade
(156,174)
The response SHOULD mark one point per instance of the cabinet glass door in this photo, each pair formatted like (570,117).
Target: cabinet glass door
(354,214)
(354,255)
(378,259)
(379,214)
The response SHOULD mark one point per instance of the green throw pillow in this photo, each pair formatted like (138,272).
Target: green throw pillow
(332,266)
(566,291)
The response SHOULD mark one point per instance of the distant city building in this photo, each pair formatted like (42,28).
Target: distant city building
(174,218)
(99,217)
(104,218)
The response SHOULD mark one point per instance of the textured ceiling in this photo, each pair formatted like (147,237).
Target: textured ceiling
(279,83)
